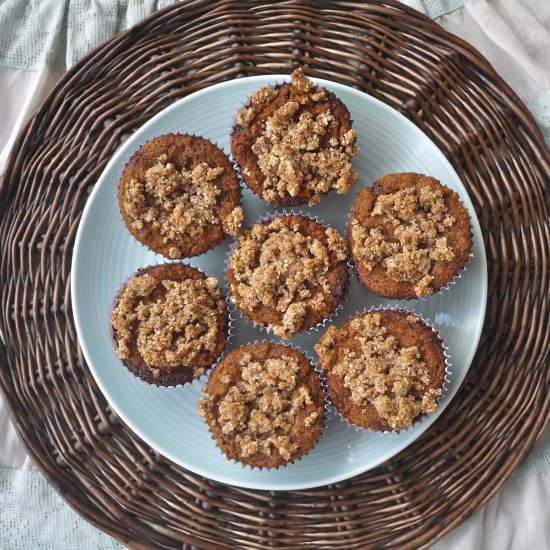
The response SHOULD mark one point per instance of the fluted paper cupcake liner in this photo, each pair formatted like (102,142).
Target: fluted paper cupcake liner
(208,370)
(326,407)
(265,218)
(444,387)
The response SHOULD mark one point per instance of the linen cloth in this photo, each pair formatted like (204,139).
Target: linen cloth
(40,39)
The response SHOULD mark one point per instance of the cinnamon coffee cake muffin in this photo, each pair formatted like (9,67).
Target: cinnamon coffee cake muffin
(384,369)
(264,405)
(294,143)
(179,196)
(170,323)
(408,235)
(288,273)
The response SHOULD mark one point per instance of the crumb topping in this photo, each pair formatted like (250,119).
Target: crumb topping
(281,268)
(264,95)
(407,235)
(378,371)
(169,322)
(232,222)
(336,243)
(177,203)
(291,152)
(245,116)
(260,410)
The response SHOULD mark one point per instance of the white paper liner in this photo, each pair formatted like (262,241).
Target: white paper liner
(444,387)
(264,328)
(327,407)
(353,269)
(208,370)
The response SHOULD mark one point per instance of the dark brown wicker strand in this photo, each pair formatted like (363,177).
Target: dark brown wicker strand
(399,56)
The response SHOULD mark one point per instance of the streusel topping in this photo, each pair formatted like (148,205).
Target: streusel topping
(261,409)
(178,203)
(169,328)
(407,237)
(292,152)
(378,371)
(281,268)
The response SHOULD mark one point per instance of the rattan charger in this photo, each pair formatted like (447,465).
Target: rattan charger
(399,56)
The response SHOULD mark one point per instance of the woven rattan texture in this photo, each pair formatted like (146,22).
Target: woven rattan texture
(398,56)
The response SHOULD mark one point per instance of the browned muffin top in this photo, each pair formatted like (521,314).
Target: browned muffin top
(170,317)
(384,368)
(288,273)
(294,143)
(264,404)
(408,235)
(179,195)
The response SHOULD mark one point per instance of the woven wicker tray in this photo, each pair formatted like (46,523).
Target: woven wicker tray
(99,466)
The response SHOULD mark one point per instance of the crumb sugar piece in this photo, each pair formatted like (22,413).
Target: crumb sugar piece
(311,419)
(327,342)
(300,81)
(418,218)
(378,371)
(261,410)
(337,243)
(245,116)
(264,95)
(442,252)
(248,447)
(422,287)
(173,328)
(176,203)
(291,153)
(320,95)
(302,397)
(293,319)
(282,269)
(233,221)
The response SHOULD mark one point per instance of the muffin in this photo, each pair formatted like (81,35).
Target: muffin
(294,143)
(409,236)
(264,405)
(179,196)
(384,369)
(288,273)
(170,323)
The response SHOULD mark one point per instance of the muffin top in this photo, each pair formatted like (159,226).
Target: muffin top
(264,405)
(408,235)
(288,273)
(179,195)
(384,369)
(169,323)
(294,143)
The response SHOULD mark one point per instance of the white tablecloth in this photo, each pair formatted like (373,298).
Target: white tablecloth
(39,39)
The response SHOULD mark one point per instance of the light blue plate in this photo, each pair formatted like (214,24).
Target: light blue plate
(105,255)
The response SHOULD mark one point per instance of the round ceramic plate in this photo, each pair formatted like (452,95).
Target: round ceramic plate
(105,255)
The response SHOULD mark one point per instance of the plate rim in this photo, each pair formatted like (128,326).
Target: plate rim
(76,313)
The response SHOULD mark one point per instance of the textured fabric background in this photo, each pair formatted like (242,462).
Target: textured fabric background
(40,39)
